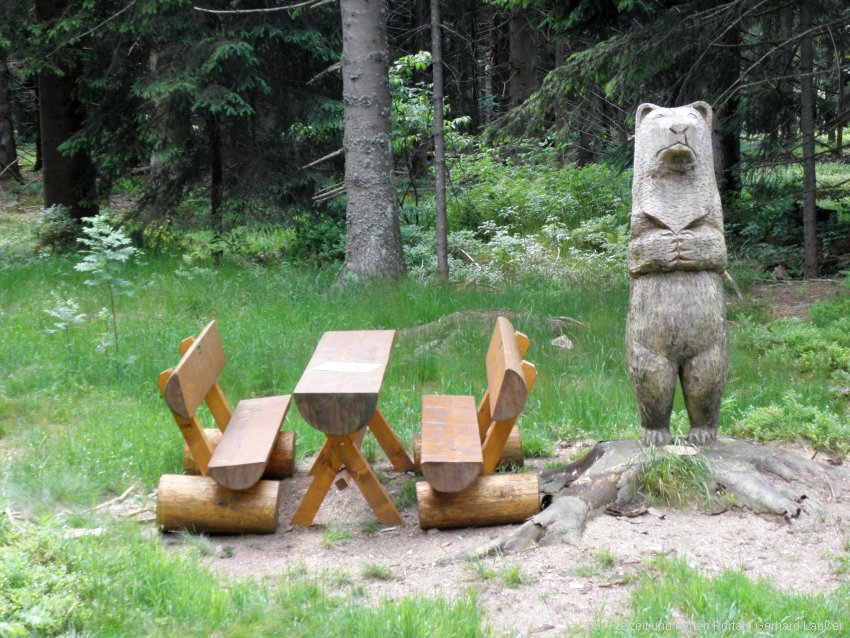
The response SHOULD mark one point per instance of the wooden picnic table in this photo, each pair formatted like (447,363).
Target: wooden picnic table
(338,395)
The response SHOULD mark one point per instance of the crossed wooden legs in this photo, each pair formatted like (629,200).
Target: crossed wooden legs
(339,451)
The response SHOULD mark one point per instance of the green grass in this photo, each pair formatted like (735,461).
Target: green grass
(674,479)
(335,535)
(374,571)
(673,599)
(121,584)
(603,561)
(507,574)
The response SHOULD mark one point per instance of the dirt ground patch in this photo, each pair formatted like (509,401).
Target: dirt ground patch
(563,586)
(793,298)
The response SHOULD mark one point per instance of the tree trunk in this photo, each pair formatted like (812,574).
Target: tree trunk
(8,150)
(807,129)
(419,154)
(839,109)
(39,158)
(727,154)
(469,64)
(373,236)
(439,145)
(523,80)
(499,57)
(69,179)
(216,178)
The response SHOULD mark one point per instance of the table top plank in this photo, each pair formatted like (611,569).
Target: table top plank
(338,391)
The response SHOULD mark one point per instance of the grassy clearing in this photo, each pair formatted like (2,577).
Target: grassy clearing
(78,424)
(673,599)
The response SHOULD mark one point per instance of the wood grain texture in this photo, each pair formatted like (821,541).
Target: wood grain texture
(490,500)
(324,471)
(389,443)
(498,434)
(281,460)
(338,392)
(240,458)
(365,480)
(451,446)
(676,325)
(193,434)
(196,373)
(199,504)
(215,399)
(505,383)
(512,455)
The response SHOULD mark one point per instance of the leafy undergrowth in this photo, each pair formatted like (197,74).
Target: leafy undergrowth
(121,584)
(673,599)
(810,363)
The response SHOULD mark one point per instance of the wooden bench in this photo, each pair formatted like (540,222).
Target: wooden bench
(460,446)
(236,499)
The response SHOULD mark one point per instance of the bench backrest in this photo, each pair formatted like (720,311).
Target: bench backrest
(196,374)
(506,386)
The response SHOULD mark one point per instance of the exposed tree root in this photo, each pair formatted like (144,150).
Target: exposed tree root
(757,477)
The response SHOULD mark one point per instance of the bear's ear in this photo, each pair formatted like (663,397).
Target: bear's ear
(642,111)
(704,109)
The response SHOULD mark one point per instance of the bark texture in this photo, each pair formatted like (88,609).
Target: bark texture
(807,129)
(439,146)
(373,248)
(755,477)
(69,178)
(8,150)
(676,325)
(523,52)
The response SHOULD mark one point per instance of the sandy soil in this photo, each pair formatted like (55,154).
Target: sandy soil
(556,594)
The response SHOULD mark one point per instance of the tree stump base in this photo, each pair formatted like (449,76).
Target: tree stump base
(760,478)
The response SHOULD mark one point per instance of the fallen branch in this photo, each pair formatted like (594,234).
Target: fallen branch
(117,499)
(457,318)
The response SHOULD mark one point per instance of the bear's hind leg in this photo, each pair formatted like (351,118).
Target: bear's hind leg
(703,378)
(653,379)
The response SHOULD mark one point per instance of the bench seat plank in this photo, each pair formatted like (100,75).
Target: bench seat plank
(241,455)
(451,446)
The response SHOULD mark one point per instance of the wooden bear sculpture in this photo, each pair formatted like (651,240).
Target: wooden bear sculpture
(676,325)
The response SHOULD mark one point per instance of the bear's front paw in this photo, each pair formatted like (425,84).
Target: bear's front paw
(702,436)
(657,437)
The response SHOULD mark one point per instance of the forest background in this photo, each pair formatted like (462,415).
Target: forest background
(209,145)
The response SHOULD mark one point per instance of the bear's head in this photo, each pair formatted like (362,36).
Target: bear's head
(673,140)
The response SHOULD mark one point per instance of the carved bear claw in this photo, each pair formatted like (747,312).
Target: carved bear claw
(658,437)
(702,436)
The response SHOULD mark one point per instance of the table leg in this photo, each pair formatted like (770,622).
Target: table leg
(365,479)
(324,470)
(390,443)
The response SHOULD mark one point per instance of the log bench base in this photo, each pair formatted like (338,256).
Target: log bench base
(498,499)
(281,460)
(199,504)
